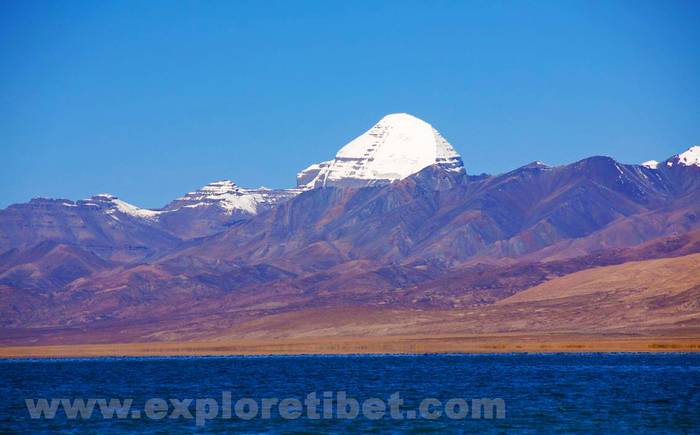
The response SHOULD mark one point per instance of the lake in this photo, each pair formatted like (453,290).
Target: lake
(381,394)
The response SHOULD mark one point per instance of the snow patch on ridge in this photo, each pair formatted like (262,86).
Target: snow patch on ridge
(113,204)
(132,210)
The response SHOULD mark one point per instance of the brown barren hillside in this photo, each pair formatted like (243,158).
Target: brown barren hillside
(641,297)
(650,305)
(634,281)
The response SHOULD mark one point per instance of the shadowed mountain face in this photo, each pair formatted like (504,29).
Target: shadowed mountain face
(97,225)
(439,216)
(48,265)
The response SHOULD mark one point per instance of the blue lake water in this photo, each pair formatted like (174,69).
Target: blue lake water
(557,392)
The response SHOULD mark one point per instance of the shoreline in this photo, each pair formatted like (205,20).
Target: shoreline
(491,344)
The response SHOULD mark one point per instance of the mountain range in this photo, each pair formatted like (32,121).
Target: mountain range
(391,235)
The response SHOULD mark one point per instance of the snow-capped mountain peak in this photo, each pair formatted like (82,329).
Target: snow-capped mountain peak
(691,157)
(227,195)
(397,146)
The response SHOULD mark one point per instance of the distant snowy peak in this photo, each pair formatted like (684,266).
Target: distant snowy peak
(223,196)
(112,204)
(228,196)
(691,157)
(397,146)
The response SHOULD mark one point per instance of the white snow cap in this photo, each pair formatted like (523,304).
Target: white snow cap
(232,198)
(691,157)
(397,146)
(113,204)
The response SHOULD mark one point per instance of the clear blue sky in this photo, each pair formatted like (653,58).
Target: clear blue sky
(149,100)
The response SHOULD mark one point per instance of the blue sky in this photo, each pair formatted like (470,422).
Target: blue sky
(149,100)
